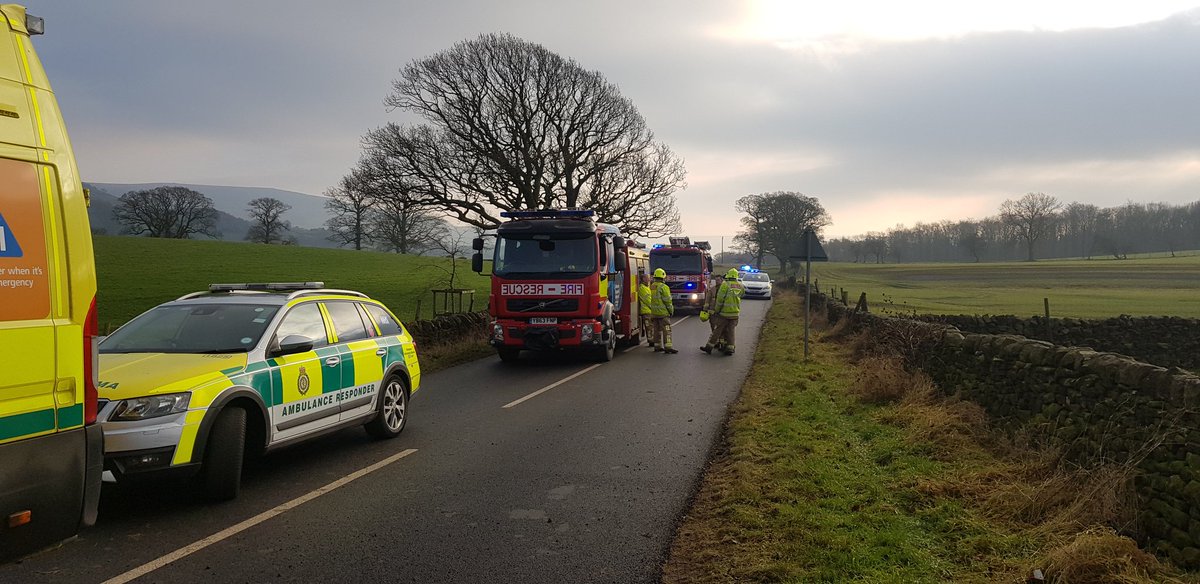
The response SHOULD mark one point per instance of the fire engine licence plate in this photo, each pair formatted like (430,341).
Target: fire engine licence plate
(543,320)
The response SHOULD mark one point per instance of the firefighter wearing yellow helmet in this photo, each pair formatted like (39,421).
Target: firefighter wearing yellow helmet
(644,301)
(661,310)
(726,309)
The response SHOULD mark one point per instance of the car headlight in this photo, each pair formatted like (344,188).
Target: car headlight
(585,333)
(498,332)
(141,408)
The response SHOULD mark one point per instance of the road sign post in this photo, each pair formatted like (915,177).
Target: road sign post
(811,250)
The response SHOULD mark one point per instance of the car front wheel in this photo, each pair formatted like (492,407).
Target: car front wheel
(221,472)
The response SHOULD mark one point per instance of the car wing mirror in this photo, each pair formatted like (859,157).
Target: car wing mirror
(292,344)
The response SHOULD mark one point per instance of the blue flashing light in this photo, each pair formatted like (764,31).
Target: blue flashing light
(745,268)
(690,285)
(548,214)
(659,246)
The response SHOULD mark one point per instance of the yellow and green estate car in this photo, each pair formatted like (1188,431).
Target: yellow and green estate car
(195,384)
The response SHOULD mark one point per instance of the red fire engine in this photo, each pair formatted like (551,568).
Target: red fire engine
(689,269)
(560,280)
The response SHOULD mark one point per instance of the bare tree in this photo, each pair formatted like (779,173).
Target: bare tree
(1032,217)
(777,221)
(266,216)
(172,212)
(752,237)
(509,125)
(452,244)
(350,205)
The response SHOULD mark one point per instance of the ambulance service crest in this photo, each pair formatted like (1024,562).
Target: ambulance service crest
(302,382)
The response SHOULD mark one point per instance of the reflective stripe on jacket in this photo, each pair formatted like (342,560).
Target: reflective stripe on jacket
(729,299)
(643,299)
(660,299)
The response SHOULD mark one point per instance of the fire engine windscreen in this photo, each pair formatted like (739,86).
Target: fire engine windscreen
(539,255)
(677,263)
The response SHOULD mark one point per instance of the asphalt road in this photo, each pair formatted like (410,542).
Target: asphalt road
(584,482)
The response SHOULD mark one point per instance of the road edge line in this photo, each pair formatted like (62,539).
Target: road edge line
(233,530)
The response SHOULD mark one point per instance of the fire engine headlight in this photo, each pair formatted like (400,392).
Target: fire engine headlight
(586,332)
(498,332)
(695,296)
(142,408)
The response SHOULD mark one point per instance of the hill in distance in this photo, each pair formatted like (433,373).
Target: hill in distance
(230,203)
(307,211)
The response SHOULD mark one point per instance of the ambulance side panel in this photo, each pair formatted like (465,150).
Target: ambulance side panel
(51,451)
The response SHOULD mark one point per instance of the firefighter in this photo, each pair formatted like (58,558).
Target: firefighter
(644,302)
(661,311)
(727,308)
(710,298)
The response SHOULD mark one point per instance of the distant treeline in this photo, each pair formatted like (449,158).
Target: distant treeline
(1077,230)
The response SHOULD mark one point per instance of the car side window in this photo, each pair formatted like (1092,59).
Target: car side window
(346,321)
(304,320)
(387,325)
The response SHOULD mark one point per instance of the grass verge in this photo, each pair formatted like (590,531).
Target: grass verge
(834,471)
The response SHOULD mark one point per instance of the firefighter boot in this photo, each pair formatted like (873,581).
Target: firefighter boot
(707,349)
(670,350)
(728,349)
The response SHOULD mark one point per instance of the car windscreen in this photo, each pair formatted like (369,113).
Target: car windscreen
(756,277)
(677,263)
(193,328)
(543,256)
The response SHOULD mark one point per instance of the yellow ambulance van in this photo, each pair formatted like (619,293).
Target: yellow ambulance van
(51,449)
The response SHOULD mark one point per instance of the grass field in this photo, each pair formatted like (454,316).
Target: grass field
(1096,288)
(821,480)
(136,273)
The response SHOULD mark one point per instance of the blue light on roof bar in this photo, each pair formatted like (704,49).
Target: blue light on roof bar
(658,246)
(548,213)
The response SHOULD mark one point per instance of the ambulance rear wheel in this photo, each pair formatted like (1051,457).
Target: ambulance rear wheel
(221,473)
(509,354)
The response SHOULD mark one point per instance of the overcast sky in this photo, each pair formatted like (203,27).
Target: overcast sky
(887,112)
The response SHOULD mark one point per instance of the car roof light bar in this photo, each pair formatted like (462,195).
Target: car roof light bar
(549,214)
(266,286)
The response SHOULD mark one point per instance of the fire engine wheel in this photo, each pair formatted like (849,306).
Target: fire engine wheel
(508,354)
(609,350)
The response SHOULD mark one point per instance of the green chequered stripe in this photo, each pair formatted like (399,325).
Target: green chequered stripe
(27,423)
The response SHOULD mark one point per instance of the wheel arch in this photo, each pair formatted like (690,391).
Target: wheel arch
(257,419)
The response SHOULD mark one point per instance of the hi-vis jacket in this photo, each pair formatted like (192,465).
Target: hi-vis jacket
(660,299)
(729,299)
(644,300)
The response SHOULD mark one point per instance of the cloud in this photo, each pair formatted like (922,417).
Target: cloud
(279,94)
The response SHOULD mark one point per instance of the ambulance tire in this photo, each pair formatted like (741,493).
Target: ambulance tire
(392,413)
(221,474)
(609,350)
(509,354)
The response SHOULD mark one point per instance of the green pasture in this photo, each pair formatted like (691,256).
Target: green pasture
(138,273)
(1096,288)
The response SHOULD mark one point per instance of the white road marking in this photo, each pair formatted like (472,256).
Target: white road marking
(228,532)
(551,386)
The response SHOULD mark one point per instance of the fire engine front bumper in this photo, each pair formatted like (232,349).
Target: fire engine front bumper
(547,337)
(688,299)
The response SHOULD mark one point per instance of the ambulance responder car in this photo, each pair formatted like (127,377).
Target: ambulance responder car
(193,385)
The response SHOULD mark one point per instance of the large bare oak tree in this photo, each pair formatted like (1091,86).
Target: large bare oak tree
(507,124)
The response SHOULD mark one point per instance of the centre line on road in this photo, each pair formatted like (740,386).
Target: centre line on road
(228,532)
(549,387)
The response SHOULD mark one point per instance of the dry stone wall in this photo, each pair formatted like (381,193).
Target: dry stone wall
(1099,406)
(1166,341)
(448,328)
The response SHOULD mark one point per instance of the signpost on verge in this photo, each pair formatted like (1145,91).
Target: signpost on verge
(810,251)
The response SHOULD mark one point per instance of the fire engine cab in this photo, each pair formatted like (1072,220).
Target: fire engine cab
(689,269)
(560,280)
